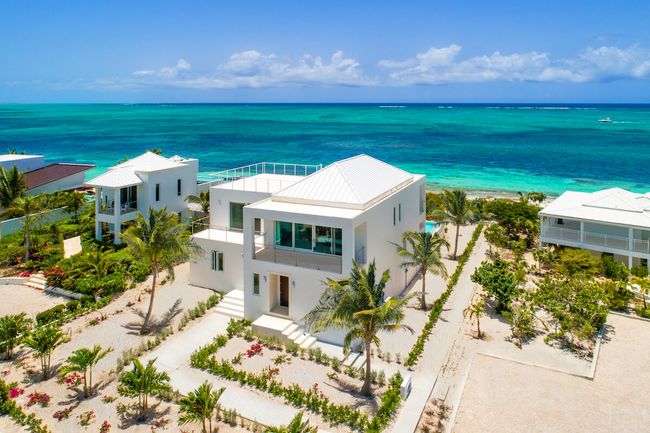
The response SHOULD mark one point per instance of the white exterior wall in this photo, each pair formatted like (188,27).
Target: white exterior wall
(23,162)
(168,189)
(220,199)
(381,233)
(231,278)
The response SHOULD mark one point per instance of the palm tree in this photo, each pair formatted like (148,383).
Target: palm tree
(456,209)
(83,361)
(12,185)
(143,382)
(203,199)
(43,341)
(99,262)
(424,253)
(160,241)
(199,406)
(297,425)
(12,329)
(475,311)
(26,207)
(74,201)
(357,305)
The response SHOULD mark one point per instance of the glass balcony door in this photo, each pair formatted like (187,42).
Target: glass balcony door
(317,239)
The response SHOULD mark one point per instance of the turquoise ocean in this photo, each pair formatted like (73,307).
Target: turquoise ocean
(484,147)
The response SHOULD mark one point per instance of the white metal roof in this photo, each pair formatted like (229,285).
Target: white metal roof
(126,173)
(356,183)
(16,157)
(614,206)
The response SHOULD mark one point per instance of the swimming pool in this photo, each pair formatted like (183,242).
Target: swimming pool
(431,226)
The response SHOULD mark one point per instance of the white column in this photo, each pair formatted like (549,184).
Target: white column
(630,246)
(117,214)
(582,232)
(98,207)
(541,228)
(629,261)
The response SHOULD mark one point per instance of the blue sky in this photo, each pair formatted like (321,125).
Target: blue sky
(324,51)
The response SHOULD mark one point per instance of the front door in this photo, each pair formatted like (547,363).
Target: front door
(284,291)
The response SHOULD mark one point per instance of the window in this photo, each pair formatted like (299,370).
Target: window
(400,212)
(217,261)
(258,226)
(324,242)
(283,234)
(237,216)
(256,284)
(303,236)
(394,216)
(338,242)
(157,192)
(179,186)
(560,221)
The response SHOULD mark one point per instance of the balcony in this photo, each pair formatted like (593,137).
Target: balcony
(301,259)
(595,239)
(202,229)
(124,209)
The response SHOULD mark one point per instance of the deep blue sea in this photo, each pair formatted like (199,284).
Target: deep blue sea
(496,147)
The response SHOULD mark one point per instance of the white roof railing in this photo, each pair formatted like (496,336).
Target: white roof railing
(277,168)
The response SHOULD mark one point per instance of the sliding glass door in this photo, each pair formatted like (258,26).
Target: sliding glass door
(318,239)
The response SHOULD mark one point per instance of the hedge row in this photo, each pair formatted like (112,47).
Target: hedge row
(417,349)
(15,412)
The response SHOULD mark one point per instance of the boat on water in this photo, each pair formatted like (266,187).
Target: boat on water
(605,120)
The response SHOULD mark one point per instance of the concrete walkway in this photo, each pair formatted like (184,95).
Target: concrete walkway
(425,375)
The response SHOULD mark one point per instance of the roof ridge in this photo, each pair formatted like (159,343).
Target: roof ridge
(347,180)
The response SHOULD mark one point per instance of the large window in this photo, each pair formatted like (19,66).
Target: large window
(324,240)
(283,234)
(129,196)
(237,216)
(303,236)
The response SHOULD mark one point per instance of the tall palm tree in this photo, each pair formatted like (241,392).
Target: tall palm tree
(12,185)
(475,311)
(43,341)
(83,361)
(159,240)
(203,199)
(357,305)
(28,207)
(424,253)
(199,406)
(143,382)
(12,329)
(456,209)
(297,425)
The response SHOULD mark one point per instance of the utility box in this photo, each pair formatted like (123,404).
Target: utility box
(405,387)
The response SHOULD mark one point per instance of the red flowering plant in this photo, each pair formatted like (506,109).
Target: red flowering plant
(54,276)
(73,379)
(256,349)
(105,428)
(25,274)
(41,398)
(271,372)
(15,392)
(62,414)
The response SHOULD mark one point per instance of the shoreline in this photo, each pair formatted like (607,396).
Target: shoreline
(484,193)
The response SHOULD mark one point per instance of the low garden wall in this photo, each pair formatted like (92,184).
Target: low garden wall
(12,280)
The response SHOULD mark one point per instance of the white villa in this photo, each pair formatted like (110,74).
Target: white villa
(278,231)
(147,181)
(612,221)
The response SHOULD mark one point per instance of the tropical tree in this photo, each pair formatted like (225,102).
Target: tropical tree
(456,209)
(12,185)
(199,406)
(475,311)
(297,425)
(159,241)
(12,329)
(74,201)
(83,361)
(203,199)
(143,382)
(98,262)
(357,305)
(27,207)
(156,150)
(498,281)
(43,341)
(424,253)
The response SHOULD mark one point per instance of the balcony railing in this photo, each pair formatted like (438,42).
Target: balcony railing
(248,174)
(124,208)
(596,239)
(221,233)
(298,258)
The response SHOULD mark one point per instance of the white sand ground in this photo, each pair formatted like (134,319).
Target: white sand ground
(22,299)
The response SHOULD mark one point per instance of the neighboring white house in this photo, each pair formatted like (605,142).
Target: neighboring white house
(22,162)
(612,221)
(56,177)
(279,237)
(147,181)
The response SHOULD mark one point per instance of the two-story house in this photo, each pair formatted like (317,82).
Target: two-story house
(613,221)
(280,244)
(138,184)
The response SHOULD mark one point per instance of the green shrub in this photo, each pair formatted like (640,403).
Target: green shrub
(612,269)
(498,281)
(11,254)
(73,306)
(618,295)
(70,230)
(100,286)
(139,271)
(639,271)
(50,314)
(86,300)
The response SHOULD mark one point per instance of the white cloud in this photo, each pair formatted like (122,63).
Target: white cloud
(440,66)
(167,72)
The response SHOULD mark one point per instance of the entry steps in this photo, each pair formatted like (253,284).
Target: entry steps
(284,330)
(232,304)
(36,281)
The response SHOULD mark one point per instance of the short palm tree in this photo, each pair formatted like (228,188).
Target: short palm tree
(43,341)
(12,329)
(74,202)
(83,361)
(143,382)
(357,305)
(199,406)
(98,262)
(160,241)
(456,209)
(297,425)
(203,199)
(423,253)
(27,207)
(475,311)
(12,185)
